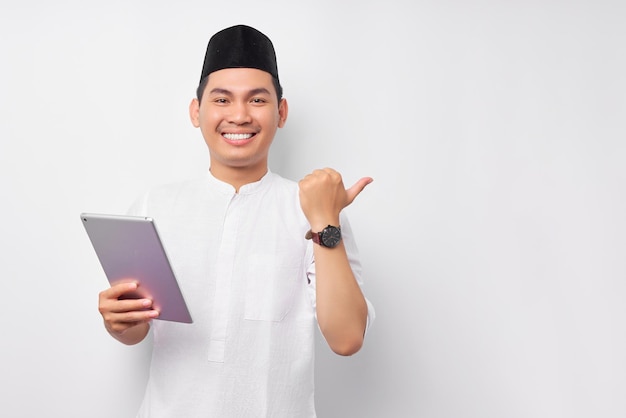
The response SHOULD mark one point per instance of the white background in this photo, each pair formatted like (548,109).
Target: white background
(493,236)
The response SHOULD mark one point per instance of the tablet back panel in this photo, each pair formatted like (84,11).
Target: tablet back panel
(128,248)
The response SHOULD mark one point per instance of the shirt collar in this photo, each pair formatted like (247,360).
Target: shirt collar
(249,188)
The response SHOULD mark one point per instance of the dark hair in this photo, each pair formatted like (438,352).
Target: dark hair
(205,81)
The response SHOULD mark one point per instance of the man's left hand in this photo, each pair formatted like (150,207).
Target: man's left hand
(323,196)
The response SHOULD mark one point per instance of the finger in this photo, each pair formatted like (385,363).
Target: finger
(118,290)
(110,309)
(129,305)
(357,188)
(133,317)
(120,323)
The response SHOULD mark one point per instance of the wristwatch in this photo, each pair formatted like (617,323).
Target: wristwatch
(329,237)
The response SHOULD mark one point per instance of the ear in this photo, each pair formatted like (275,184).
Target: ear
(194,112)
(283,110)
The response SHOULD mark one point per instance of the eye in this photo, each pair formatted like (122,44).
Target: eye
(220,100)
(258,100)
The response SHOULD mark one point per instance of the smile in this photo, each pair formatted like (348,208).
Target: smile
(238,137)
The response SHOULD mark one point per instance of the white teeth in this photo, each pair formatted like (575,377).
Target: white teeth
(237,137)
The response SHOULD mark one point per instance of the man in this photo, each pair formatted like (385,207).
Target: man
(236,239)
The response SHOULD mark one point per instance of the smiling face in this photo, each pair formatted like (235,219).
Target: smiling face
(238,116)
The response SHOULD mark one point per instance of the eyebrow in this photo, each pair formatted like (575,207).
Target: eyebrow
(253,92)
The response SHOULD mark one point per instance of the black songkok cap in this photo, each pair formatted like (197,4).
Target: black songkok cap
(239,47)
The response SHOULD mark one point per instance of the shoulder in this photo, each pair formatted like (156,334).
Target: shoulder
(284,189)
(281,182)
(178,186)
(161,194)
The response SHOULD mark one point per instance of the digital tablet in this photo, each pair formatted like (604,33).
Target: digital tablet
(129,248)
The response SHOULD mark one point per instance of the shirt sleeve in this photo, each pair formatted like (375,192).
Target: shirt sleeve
(139,207)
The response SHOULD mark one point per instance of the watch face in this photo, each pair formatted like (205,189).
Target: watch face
(331,236)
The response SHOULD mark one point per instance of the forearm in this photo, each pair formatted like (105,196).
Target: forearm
(341,306)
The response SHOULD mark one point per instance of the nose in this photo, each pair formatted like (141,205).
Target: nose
(239,114)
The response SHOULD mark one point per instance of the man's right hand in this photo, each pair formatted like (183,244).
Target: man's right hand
(127,320)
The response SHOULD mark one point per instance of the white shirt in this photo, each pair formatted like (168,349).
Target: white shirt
(248,277)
